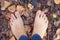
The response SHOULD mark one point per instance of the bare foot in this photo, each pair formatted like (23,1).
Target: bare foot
(17,26)
(40,24)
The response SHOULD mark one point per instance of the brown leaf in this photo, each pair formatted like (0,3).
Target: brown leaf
(6,4)
(46,10)
(58,31)
(45,34)
(20,8)
(12,38)
(27,27)
(7,16)
(57,1)
(30,6)
(12,8)
(44,37)
(9,25)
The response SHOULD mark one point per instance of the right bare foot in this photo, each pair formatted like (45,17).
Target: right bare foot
(40,24)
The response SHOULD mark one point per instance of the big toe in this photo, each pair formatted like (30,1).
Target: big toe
(12,18)
(17,14)
(38,13)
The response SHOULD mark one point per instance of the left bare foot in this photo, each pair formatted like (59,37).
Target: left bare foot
(17,26)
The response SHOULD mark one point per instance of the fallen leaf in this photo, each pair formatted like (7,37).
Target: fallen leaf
(57,1)
(58,37)
(46,10)
(12,38)
(8,25)
(7,16)
(54,15)
(6,4)
(12,8)
(44,37)
(20,8)
(28,29)
(58,31)
(45,34)
(30,6)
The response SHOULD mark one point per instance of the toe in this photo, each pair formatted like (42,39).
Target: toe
(47,21)
(45,18)
(42,14)
(17,14)
(13,17)
(38,14)
(11,20)
(10,23)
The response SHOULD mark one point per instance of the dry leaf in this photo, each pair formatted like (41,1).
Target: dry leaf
(7,16)
(45,34)
(6,4)
(54,15)
(58,31)
(30,6)
(20,8)
(12,38)
(58,34)
(57,1)
(46,10)
(12,8)
(58,37)
(27,27)
(44,37)
(8,24)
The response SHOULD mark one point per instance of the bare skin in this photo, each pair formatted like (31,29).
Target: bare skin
(40,24)
(17,26)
